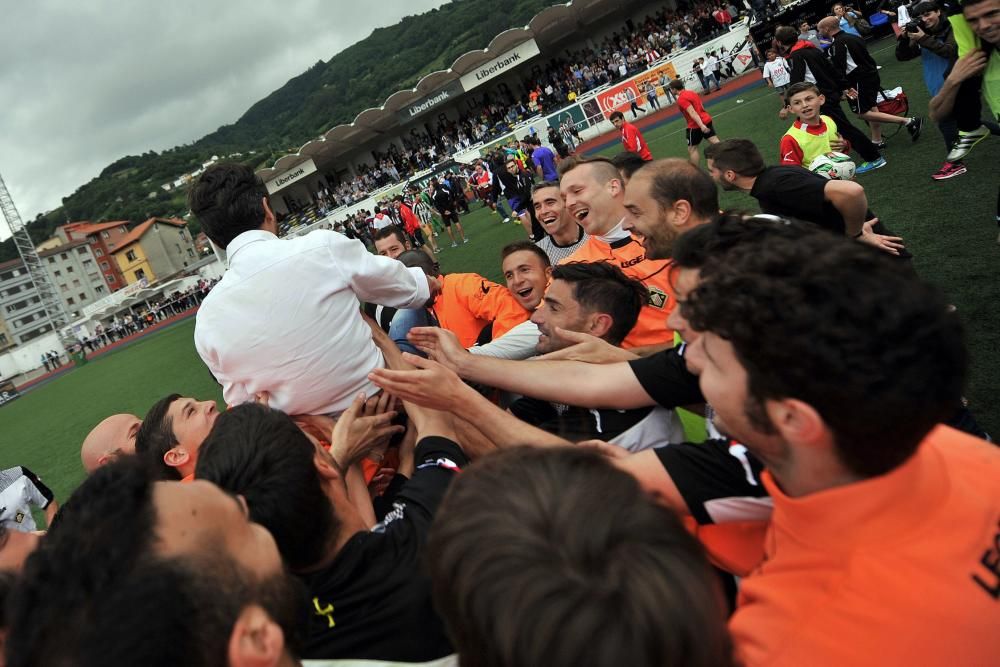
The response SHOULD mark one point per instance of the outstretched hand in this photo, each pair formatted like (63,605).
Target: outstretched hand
(362,428)
(431,385)
(889,244)
(586,347)
(439,344)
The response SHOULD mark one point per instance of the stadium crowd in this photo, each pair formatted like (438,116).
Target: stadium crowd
(544,89)
(675,435)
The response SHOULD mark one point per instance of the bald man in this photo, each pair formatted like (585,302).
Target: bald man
(108,440)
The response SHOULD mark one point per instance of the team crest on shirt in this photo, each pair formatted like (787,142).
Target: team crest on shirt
(657,297)
(19,517)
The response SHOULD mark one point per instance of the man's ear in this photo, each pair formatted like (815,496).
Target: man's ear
(177,456)
(600,323)
(797,422)
(270,223)
(682,212)
(256,640)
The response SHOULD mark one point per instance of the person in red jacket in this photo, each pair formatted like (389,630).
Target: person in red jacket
(632,138)
(417,230)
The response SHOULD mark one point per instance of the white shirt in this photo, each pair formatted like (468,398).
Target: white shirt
(518,343)
(285,319)
(18,494)
(777,71)
(711,64)
(381,221)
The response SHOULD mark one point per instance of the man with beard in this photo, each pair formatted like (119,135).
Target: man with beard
(667,198)
(139,572)
(562,235)
(596,299)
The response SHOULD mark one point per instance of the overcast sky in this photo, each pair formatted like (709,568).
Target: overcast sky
(85,83)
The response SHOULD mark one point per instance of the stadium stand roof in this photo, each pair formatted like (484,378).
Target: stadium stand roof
(548,27)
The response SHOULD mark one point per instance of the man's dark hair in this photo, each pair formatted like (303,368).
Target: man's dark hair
(677,84)
(526,245)
(739,155)
(628,163)
(391,230)
(543,185)
(96,591)
(601,287)
(786,35)
(800,87)
(674,179)
(156,437)
(262,455)
(694,248)
(616,115)
(227,200)
(875,351)
(418,259)
(532,563)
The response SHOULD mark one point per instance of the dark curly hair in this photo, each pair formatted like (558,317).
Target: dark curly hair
(835,324)
(227,200)
(601,287)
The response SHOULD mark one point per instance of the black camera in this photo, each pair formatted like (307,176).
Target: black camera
(914,26)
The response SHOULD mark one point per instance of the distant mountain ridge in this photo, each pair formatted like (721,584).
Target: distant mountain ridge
(327,94)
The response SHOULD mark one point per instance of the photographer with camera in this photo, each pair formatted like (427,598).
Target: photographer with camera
(930,37)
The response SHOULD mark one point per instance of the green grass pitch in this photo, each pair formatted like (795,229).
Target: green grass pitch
(948,226)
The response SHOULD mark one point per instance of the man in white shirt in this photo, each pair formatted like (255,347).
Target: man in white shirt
(285,318)
(20,490)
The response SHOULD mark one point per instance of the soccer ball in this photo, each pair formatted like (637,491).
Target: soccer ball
(835,166)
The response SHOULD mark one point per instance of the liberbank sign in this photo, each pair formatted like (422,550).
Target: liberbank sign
(500,65)
(293,175)
(433,101)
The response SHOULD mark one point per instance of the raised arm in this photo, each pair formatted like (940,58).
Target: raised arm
(571,382)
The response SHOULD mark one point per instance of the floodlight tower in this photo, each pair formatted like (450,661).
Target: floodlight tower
(53,305)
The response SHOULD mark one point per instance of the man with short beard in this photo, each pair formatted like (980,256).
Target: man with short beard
(139,572)
(563,235)
(666,198)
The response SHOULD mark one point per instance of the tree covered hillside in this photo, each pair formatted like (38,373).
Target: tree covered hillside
(327,94)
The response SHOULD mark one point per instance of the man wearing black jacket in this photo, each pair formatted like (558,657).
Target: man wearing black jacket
(850,56)
(810,64)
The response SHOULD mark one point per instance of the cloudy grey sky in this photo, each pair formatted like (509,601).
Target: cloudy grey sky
(84,83)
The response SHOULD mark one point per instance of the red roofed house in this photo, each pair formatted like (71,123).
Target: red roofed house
(104,238)
(156,249)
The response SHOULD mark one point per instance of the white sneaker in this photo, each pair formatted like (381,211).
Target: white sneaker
(506,219)
(454,245)
(465,240)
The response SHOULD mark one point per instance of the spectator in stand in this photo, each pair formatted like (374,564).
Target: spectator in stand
(632,138)
(699,121)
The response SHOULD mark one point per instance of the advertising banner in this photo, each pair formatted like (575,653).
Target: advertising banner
(666,71)
(291,176)
(618,98)
(500,65)
(433,101)
(8,392)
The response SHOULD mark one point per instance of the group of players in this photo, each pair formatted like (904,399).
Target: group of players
(486,474)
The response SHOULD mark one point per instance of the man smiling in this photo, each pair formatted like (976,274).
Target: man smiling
(594,194)
(563,235)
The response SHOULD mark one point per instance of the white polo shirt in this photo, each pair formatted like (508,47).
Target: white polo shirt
(285,319)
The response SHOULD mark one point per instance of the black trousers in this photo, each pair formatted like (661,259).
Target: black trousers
(860,141)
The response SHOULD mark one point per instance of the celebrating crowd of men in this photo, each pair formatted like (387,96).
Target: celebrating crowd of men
(675,436)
